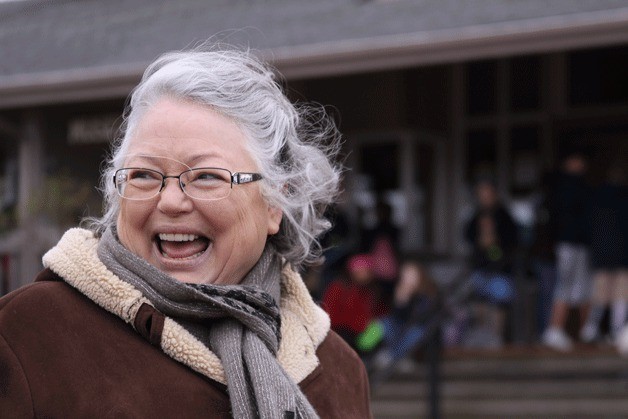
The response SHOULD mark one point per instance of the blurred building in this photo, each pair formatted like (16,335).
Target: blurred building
(429,94)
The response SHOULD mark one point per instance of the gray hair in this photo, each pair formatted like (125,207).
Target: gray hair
(294,145)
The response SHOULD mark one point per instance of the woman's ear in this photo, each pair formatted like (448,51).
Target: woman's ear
(274,219)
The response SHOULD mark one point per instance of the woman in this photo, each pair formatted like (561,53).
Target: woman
(213,198)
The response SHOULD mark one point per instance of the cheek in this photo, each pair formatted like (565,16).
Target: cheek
(131,215)
(130,222)
(249,223)
(249,228)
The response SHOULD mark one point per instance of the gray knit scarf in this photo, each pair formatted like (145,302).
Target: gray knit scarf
(240,323)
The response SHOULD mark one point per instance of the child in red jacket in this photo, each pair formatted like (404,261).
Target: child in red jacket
(352,302)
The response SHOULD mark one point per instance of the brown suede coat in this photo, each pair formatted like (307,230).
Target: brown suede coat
(62,355)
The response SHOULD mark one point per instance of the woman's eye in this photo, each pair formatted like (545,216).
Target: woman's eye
(143,175)
(207,176)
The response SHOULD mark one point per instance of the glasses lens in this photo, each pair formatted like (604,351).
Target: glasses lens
(207,183)
(135,183)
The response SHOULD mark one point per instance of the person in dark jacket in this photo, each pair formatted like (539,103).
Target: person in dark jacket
(184,300)
(571,200)
(609,255)
(492,234)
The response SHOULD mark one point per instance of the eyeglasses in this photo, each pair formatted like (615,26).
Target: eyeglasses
(205,183)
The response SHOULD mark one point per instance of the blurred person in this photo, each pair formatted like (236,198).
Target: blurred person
(571,199)
(352,299)
(336,246)
(609,255)
(183,300)
(492,233)
(382,242)
(395,335)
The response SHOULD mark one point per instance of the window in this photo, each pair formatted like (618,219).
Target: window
(481,87)
(598,76)
(525,82)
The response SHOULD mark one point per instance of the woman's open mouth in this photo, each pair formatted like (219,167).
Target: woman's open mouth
(181,246)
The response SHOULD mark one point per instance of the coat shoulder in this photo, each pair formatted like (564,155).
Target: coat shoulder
(339,387)
(47,287)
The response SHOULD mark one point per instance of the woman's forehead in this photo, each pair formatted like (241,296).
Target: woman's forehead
(172,117)
(191,161)
(186,149)
(189,134)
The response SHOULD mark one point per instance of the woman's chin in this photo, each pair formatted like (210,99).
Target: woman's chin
(189,278)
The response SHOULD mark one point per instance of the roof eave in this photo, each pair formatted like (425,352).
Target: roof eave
(344,57)
(445,47)
(75,85)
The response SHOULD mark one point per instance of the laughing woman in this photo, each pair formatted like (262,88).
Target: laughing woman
(183,300)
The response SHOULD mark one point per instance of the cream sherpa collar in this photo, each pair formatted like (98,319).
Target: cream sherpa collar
(304,325)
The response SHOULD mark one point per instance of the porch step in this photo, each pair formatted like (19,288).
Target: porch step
(521,384)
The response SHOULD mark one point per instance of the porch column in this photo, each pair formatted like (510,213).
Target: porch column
(30,180)
(457,161)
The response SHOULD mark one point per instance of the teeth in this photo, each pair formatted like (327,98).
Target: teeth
(177,237)
(187,258)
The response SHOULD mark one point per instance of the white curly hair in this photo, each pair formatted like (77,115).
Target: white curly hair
(295,146)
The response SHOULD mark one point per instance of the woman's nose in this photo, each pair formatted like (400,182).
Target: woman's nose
(172,199)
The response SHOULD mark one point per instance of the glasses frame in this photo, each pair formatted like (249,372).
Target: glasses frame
(237,178)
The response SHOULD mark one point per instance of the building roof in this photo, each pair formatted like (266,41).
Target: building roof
(59,50)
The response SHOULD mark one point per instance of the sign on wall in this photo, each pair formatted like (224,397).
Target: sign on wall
(93,129)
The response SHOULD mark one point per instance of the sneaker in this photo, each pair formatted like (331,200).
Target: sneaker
(557,339)
(589,333)
(622,341)
(382,360)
